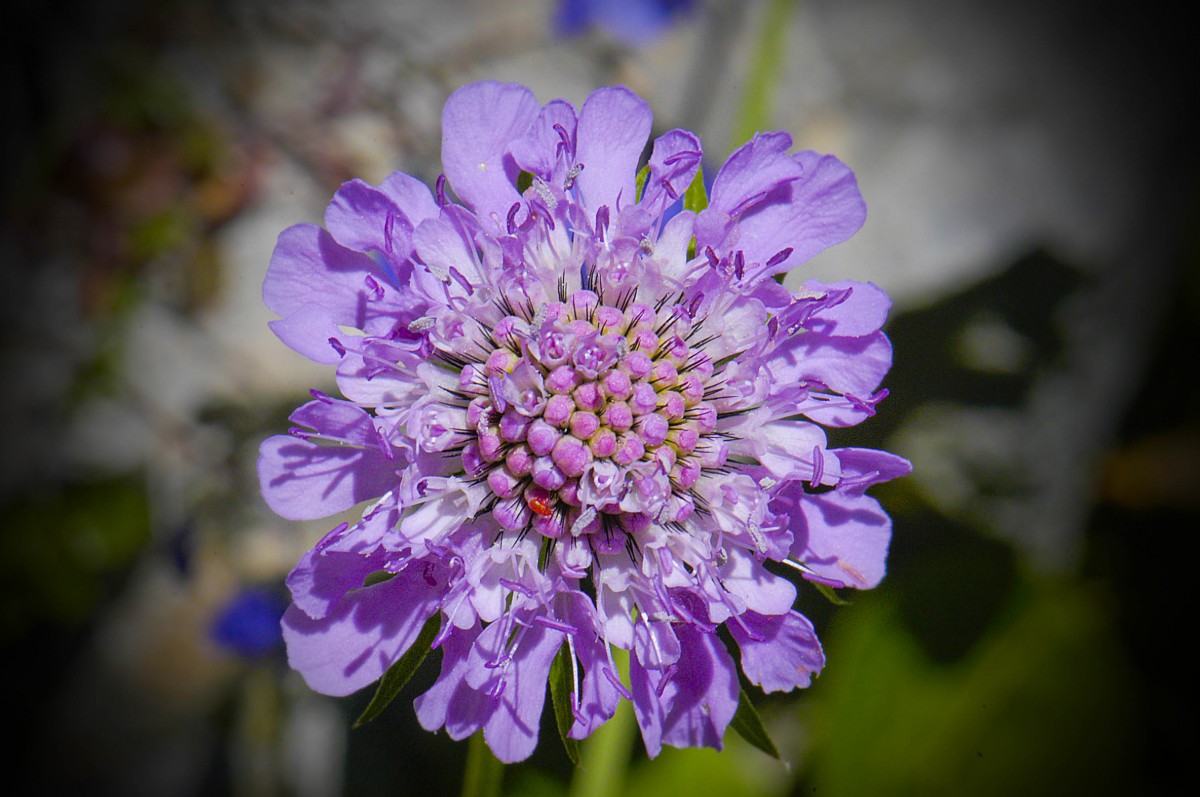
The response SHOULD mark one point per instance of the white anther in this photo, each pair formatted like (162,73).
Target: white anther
(581,522)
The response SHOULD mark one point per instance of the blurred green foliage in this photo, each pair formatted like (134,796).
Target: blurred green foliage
(1040,706)
(65,549)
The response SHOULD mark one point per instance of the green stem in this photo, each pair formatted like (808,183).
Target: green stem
(485,773)
(755,113)
(605,755)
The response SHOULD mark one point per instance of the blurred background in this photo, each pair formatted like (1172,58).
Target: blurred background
(1030,172)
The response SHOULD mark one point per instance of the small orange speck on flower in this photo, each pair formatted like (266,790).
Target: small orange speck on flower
(540,505)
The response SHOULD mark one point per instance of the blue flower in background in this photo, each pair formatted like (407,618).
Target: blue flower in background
(632,22)
(248,625)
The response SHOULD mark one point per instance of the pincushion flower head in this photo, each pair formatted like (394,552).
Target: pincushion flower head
(584,416)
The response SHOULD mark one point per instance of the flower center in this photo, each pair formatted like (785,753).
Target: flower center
(590,418)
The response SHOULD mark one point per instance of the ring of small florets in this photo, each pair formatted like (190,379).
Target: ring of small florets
(591,419)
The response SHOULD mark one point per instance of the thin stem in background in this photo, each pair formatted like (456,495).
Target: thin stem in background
(606,753)
(484,776)
(757,96)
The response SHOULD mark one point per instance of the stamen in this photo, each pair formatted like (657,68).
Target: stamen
(571,175)
(601,221)
(747,203)
(576,699)
(557,625)
(862,478)
(564,142)
(457,276)
(374,287)
(668,674)
(653,639)
(612,678)
(581,522)
(798,566)
(687,154)
(779,257)
(385,445)
(545,194)
(516,586)
(389,225)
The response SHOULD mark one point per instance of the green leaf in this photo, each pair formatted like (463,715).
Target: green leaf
(377,577)
(695,198)
(524,181)
(561,688)
(750,726)
(398,674)
(642,175)
(830,595)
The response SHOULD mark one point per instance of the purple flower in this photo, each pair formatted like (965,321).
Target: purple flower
(580,427)
(633,22)
(248,624)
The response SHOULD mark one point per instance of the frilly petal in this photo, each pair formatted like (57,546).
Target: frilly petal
(441,246)
(843,539)
(364,218)
(614,124)
(647,707)
(692,705)
(598,696)
(863,311)
(339,563)
(779,652)
(823,208)
(307,330)
(451,702)
(544,150)
(516,686)
(411,196)
(751,172)
(309,265)
(363,382)
(479,121)
(846,365)
(671,249)
(674,162)
(784,447)
(302,480)
(655,644)
(368,631)
(761,591)
(779,209)
(863,467)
